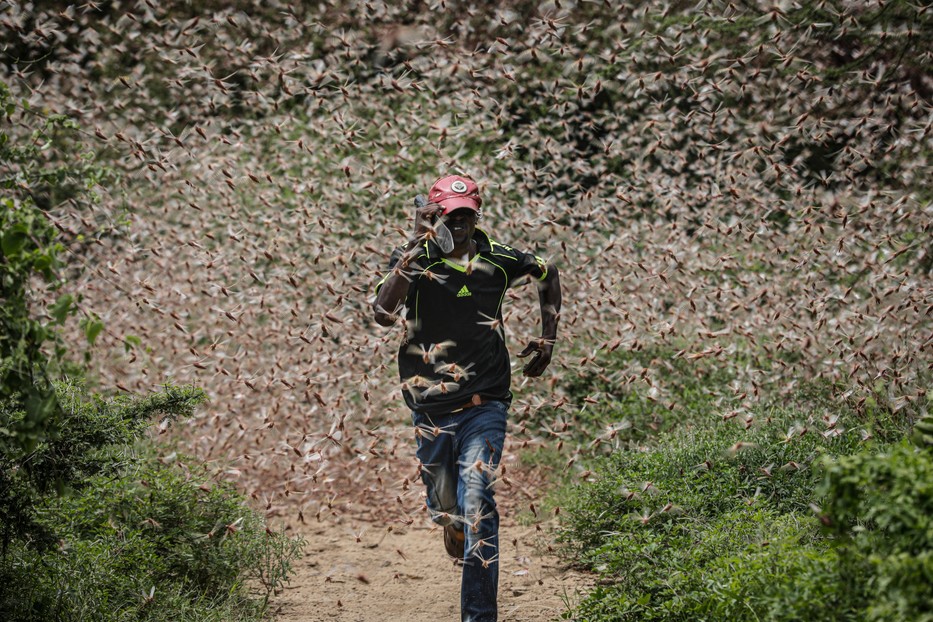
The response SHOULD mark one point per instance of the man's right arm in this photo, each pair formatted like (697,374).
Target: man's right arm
(392,291)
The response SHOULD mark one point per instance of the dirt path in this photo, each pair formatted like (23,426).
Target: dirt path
(404,574)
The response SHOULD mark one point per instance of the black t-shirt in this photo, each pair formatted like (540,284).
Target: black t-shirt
(455,348)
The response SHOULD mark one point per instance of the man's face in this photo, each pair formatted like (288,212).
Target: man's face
(462,224)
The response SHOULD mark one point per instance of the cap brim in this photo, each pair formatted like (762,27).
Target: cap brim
(455,203)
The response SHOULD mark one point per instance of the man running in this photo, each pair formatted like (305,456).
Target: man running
(455,369)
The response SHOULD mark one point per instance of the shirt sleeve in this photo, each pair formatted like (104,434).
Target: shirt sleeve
(519,263)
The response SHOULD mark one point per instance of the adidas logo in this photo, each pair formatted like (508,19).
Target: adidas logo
(463,292)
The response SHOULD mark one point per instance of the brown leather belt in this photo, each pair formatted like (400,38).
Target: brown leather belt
(476,400)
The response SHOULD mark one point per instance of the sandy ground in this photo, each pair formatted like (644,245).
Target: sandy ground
(404,574)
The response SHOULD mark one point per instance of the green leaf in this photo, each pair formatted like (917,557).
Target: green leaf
(14,240)
(61,308)
(43,263)
(131,341)
(92,328)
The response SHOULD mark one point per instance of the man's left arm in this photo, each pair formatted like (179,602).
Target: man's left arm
(549,298)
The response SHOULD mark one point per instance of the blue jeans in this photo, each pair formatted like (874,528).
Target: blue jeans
(459,455)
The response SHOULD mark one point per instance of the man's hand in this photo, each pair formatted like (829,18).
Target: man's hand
(536,366)
(425,227)
(424,230)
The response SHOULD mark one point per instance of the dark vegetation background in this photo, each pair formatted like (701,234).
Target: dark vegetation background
(204,195)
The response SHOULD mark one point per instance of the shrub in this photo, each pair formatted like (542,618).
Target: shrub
(710,469)
(40,171)
(880,506)
(131,537)
(716,522)
(90,440)
(747,564)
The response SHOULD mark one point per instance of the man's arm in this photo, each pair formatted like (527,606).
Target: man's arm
(549,298)
(394,289)
(391,294)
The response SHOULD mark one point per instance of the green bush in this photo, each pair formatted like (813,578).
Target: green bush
(710,469)
(747,564)
(39,172)
(130,537)
(92,439)
(719,522)
(880,507)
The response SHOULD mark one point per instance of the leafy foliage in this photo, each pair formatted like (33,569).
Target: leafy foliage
(27,247)
(131,536)
(91,440)
(881,507)
(722,522)
(747,564)
(41,169)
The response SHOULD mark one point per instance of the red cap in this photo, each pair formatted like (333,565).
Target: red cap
(453,192)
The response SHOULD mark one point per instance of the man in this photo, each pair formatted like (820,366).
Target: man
(455,370)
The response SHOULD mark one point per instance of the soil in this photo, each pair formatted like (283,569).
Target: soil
(403,573)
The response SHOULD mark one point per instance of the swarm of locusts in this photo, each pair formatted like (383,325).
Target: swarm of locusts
(734,184)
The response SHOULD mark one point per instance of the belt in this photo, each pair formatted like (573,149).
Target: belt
(476,400)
